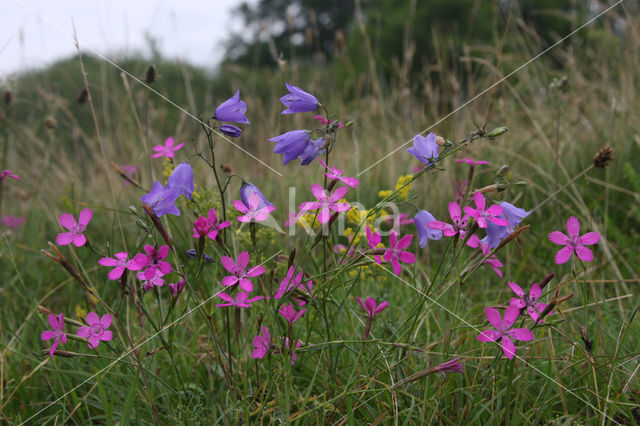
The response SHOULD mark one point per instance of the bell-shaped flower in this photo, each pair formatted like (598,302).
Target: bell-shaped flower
(425,149)
(297,100)
(181,180)
(425,233)
(291,144)
(232,109)
(496,233)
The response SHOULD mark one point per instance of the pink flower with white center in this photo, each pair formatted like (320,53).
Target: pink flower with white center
(323,120)
(529,302)
(153,261)
(12,221)
(370,306)
(374,239)
(240,273)
(492,260)
(76,229)
(148,283)
(96,329)
(394,253)
(119,263)
(481,215)
(574,242)
(261,344)
(334,173)
(471,161)
(290,314)
(166,150)
(325,202)
(8,174)
(459,222)
(503,330)
(242,300)
(57,333)
(208,225)
(253,212)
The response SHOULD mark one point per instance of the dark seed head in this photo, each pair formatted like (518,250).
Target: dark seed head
(83,96)
(604,157)
(151,74)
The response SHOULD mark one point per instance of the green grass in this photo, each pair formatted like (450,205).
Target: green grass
(337,378)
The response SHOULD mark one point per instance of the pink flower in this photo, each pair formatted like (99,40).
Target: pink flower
(373,240)
(208,225)
(97,329)
(253,212)
(459,222)
(241,301)
(153,261)
(57,333)
(12,221)
(8,174)
(334,173)
(176,288)
(326,202)
(574,242)
(370,306)
(166,150)
(290,314)
(323,120)
(240,272)
(471,161)
(492,260)
(76,234)
(286,345)
(481,215)
(149,282)
(288,283)
(395,253)
(401,219)
(522,301)
(261,344)
(120,263)
(451,366)
(502,330)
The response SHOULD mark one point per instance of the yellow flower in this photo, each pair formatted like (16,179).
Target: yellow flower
(404,192)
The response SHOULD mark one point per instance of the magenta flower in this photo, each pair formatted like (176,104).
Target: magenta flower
(492,260)
(481,215)
(208,225)
(241,301)
(12,221)
(373,241)
(253,212)
(471,161)
(323,120)
(76,230)
(326,202)
(290,314)
(288,283)
(369,305)
(261,344)
(451,366)
(240,272)
(503,330)
(574,242)
(334,173)
(176,288)
(153,261)
(297,100)
(529,302)
(57,333)
(286,345)
(8,174)
(166,150)
(96,330)
(119,264)
(459,222)
(394,253)
(149,282)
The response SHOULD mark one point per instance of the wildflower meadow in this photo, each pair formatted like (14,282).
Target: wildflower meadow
(305,245)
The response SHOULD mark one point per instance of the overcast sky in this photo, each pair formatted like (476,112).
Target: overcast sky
(34,33)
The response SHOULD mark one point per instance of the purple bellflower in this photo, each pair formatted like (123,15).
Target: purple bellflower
(232,109)
(247,189)
(162,199)
(425,149)
(181,179)
(496,233)
(297,100)
(292,144)
(312,151)
(425,233)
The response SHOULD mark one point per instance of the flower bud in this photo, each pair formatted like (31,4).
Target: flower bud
(150,77)
(133,209)
(142,225)
(83,96)
(498,131)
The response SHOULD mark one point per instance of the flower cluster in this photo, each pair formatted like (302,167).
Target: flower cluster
(95,330)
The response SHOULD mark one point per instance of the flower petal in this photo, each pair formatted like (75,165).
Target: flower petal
(516,288)
(508,347)
(510,316)
(84,217)
(589,238)
(558,237)
(67,220)
(523,334)
(488,336)
(573,227)
(494,317)
(564,254)
(584,254)
(92,318)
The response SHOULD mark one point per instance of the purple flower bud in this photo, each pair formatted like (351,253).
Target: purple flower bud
(247,190)
(232,109)
(312,151)
(231,130)
(496,233)
(425,149)
(181,180)
(425,233)
(176,288)
(298,100)
(162,200)
(292,144)
(194,255)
